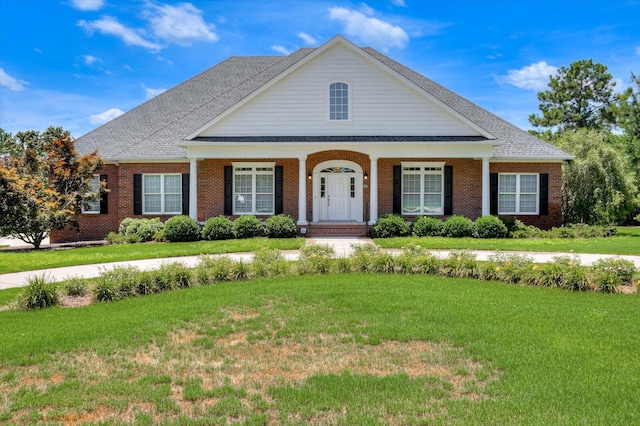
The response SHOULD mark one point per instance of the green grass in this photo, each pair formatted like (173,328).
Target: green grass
(339,349)
(626,241)
(17,261)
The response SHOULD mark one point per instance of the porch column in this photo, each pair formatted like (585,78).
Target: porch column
(302,191)
(373,191)
(193,189)
(486,184)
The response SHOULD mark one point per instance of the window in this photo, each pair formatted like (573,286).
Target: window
(422,188)
(253,188)
(517,193)
(339,101)
(162,194)
(92,207)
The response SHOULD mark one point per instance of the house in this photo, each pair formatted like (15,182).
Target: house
(333,136)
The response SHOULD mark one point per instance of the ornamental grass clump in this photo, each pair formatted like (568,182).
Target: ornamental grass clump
(363,257)
(214,269)
(268,262)
(315,259)
(75,287)
(39,293)
(460,264)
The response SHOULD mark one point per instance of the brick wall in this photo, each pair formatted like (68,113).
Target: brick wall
(95,226)
(467,189)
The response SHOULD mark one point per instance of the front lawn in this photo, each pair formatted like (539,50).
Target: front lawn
(333,349)
(17,261)
(626,241)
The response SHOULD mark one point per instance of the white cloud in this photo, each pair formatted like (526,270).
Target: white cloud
(307,38)
(180,24)
(370,30)
(11,83)
(103,117)
(90,60)
(281,49)
(111,26)
(532,77)
(87,4)
(399,3)
(152,93)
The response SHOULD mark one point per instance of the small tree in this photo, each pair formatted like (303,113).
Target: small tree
(596,187)
(43,183)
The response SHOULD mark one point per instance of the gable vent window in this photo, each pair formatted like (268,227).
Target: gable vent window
(339,101)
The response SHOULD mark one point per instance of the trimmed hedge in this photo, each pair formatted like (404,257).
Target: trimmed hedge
(425,226)
(390,225)
(218,228)
(181,228)
(281,226)
(248,226)
(490,227)
(457,227)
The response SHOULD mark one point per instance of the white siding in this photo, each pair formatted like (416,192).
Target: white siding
(379,104)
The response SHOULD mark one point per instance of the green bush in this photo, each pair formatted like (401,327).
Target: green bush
(75,287)
(315,259)
(623,269)
(105,290)
(181,228)
(218,228)
(269,262)
(457,227)
(40,293)
(248,226)
(490,227)
(390,225)
(136,230)
(425,226)
(281,226)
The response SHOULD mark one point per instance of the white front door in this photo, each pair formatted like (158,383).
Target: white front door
(338,194)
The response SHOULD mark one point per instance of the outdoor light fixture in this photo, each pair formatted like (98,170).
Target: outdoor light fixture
(309,176)
(366,176)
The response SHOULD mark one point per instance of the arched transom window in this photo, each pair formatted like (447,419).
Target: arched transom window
(339,101)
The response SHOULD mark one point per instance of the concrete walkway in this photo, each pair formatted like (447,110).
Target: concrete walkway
(342,247)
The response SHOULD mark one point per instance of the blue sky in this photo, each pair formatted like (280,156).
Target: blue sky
(78,63)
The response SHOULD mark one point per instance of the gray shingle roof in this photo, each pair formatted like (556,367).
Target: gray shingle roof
(152,130)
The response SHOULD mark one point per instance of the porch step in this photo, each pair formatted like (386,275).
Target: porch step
(337,230)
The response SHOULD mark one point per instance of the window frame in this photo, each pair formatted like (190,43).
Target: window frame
(96,186)
(330,100)
(518,193)
(162,194)
(424,169)
(254,172)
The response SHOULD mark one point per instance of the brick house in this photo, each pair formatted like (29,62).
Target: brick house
(333,136)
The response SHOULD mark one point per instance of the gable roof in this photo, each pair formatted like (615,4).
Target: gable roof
(154,130)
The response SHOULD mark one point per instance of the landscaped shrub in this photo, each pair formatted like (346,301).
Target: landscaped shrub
(490,227)
(75,287)
(580,230)
(281,226)
(105,289)
(315,259)
(181,228)
(268,262)
(425,226)
(521,230)
(461,264)
(457,227)
(39,293)
(390,225)
(133,230)
(363,257)
(623,269)
(248,226)
(218,228)
(212,269)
